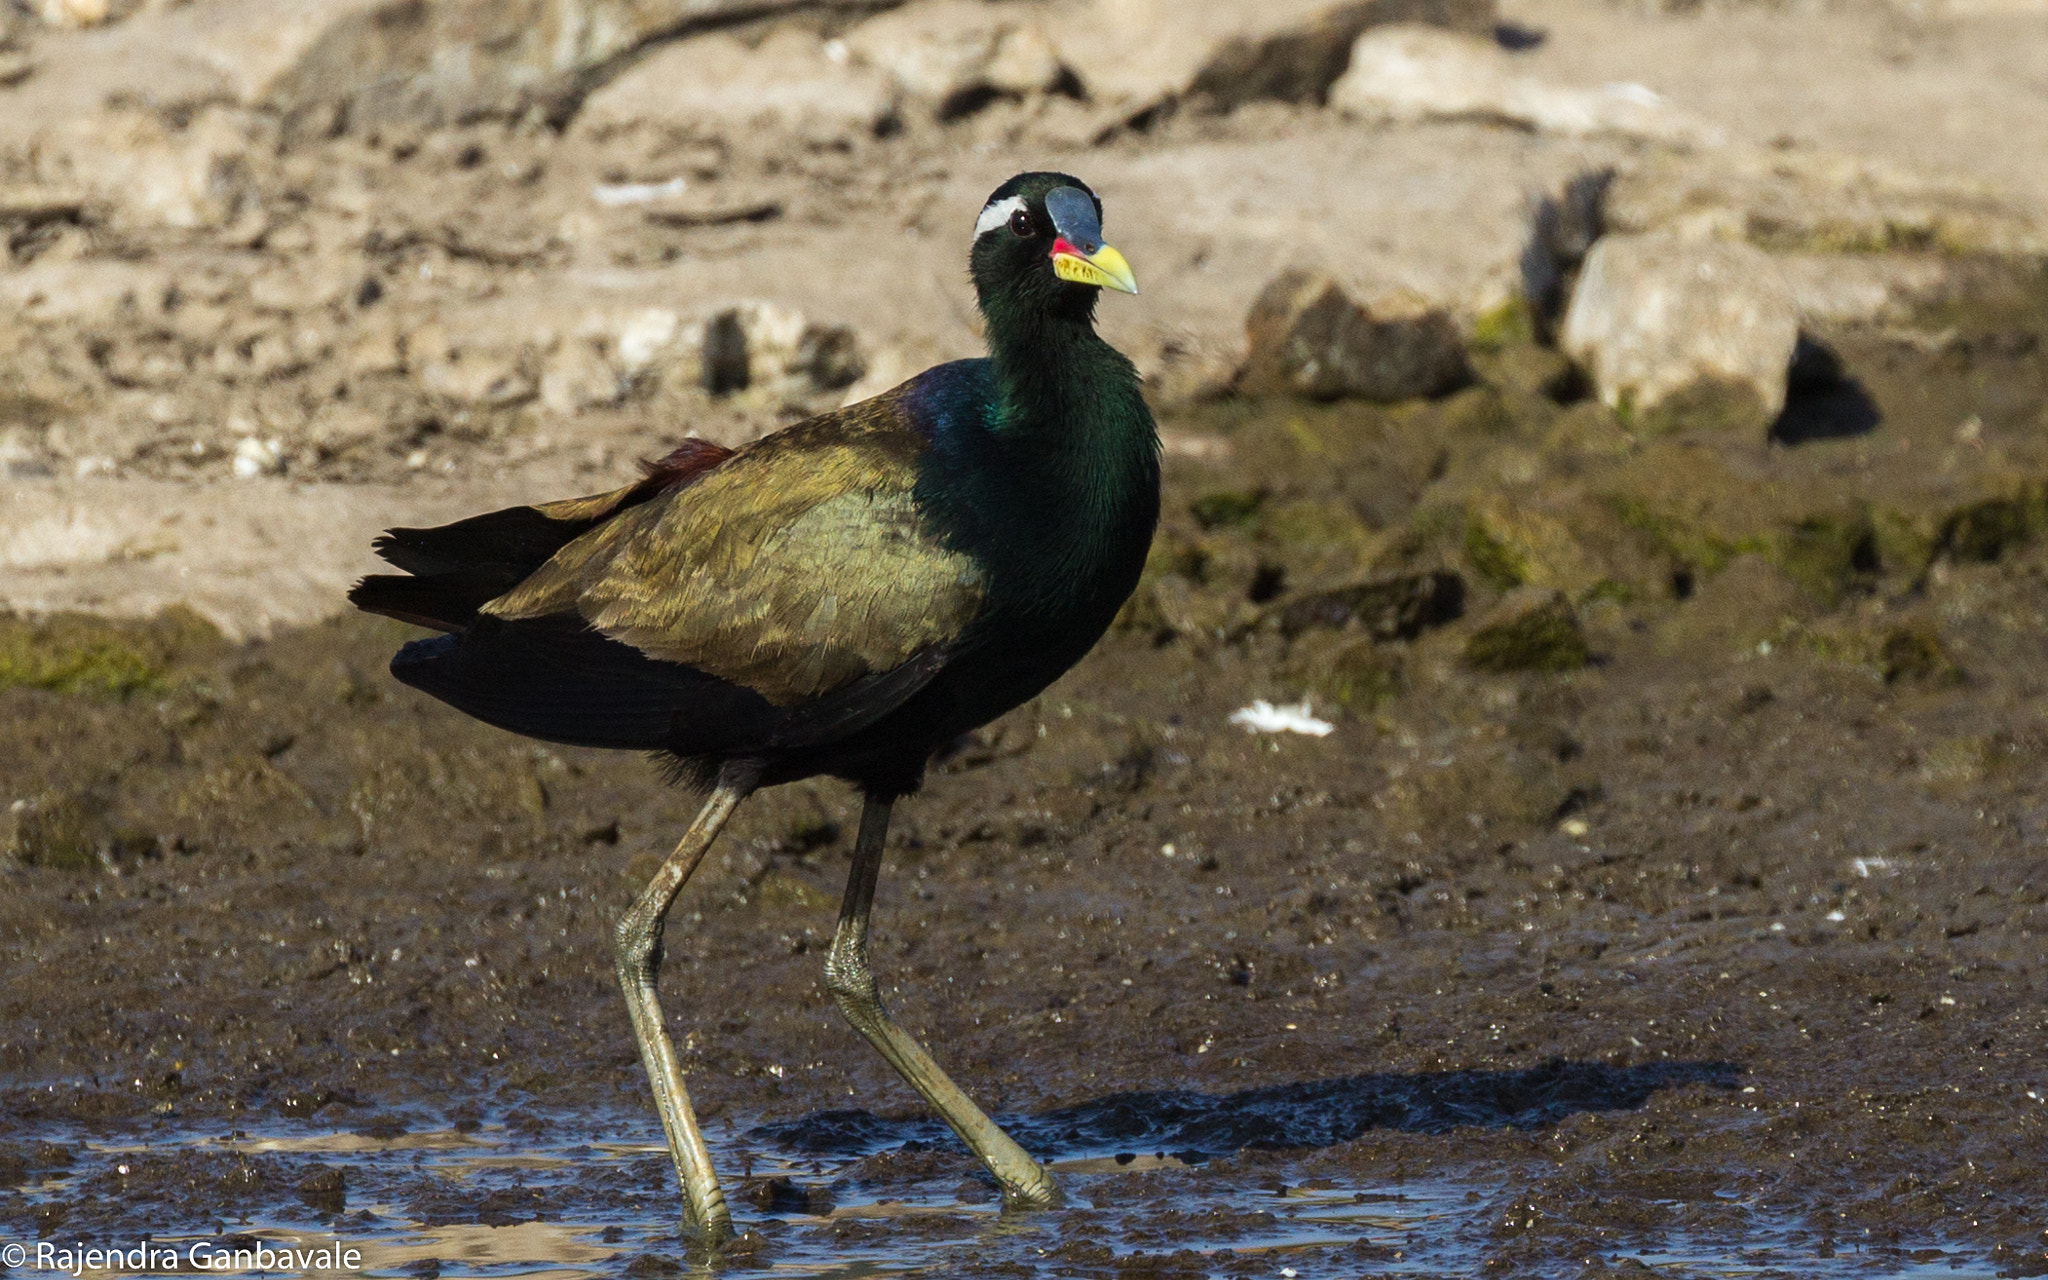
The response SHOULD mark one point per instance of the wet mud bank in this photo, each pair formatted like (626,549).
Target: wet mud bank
(1668,892)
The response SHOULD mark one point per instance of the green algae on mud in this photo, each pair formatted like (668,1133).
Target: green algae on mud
(108,657)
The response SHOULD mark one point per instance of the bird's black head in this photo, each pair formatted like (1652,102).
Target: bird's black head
(1038,247)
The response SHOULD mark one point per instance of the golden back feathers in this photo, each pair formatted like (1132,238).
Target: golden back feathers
(795,567)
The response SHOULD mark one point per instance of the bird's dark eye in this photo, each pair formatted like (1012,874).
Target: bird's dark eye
(1020,223)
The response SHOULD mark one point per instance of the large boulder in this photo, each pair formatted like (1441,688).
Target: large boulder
(714,85)
(1683,334)
(327,65)
(955,56)
(1308,338)
(1134,56)
(430,61)
(1409,72)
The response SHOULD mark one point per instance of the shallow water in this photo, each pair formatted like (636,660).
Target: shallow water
(844,1195)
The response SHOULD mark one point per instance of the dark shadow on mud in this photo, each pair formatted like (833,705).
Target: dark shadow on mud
(1822,402)
(1842,410)
(1315,1113)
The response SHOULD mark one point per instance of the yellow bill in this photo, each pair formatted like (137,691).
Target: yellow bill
(1105,267)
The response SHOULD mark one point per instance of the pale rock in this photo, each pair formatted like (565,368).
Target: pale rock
(55,829)
(257,457)
(642,338)
(886,368)
(467,374)
(955,55)
(1858,288)
(374,348)
(152,174)
(776,353)
(303,282)
(95,292)
(73,14)
(339,426)
(1407,73)
(323,66)
(1137,55)
(578,377)
(715,85)
(250,556)
(1307,337)
(1680,333)
(480,378)
(21,453)
(1025,61)
(1184,369)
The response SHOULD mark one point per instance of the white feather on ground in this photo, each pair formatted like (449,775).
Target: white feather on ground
(1263,717)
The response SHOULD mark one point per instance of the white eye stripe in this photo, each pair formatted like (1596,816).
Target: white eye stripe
(997,214)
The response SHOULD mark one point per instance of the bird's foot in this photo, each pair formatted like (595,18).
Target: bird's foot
(1028,1197)
(743,1249)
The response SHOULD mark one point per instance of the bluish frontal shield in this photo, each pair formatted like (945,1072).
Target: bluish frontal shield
(1073,215)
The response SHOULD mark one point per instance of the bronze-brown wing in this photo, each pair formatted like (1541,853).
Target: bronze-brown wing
(797,567)
(453,570)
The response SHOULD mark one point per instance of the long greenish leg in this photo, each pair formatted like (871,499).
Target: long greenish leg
(1026,1183)
(636,949)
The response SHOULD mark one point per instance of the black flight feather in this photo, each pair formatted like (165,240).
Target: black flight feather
(558,680)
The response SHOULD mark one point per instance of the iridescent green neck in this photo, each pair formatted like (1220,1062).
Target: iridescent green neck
(1065,491)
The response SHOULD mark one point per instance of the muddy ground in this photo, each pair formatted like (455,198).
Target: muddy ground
(1699,935)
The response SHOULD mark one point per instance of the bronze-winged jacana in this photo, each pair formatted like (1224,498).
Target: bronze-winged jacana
(842,597)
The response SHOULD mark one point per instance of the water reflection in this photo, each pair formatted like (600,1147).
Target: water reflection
(1155,1189)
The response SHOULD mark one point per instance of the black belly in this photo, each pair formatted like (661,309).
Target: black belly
(559,681)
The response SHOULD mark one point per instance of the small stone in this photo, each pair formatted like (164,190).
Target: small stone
(1916,653)
(578,377)
(784,1195)
(325,1189)
(1680,334)
(55,830)
(152,174)
(1355,674)
(644,338)
(1308,338)
(478,377)
(776,352)
(1409,73)
(1530,629)
(1396,608)
(257,457)
(1525,369)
